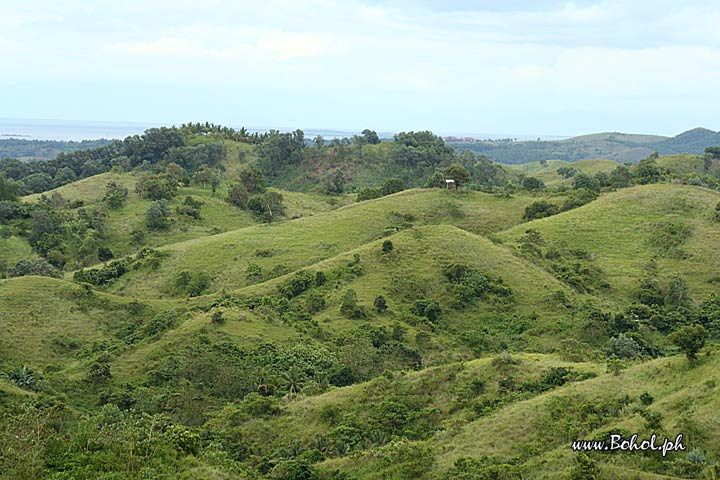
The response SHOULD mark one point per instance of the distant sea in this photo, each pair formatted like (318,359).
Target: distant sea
(35,129)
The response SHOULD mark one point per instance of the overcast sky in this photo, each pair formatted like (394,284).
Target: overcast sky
(513,66)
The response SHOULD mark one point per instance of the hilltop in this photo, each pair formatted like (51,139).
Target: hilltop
(619,147)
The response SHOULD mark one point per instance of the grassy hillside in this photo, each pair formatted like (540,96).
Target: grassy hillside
(14,249)
(48,322)
(427,334)
(548,172)
(216,215)
(88,189)
(284,247)
(625,230)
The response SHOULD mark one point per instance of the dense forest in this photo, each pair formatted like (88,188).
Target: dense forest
(43,149)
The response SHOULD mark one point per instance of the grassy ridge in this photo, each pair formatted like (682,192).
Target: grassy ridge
(548,173)
(47,321)
(216,214)
(288,246)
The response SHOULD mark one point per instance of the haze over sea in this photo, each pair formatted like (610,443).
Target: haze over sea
(39,129)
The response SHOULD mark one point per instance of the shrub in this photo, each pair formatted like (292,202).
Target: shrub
(156,187)
(622,347)
(578,198)
(238,196)
(105,254)
(540,209)
(191,284)
(469,284)
(426,308)
(368,193)
(690,340)
(253,272)
(115,195)
(584,468)
(300,282)
(583,180)
(315,302)
(532,183)
(646,399)
(217,317)
(188,211)
(349,305)
(23,377)
(392,185)
(158,215)
(103,275)
(647,171)
(341,376)
(137,236)
(99,372)
(387,246)
(380,304)
(33,266)
(161,322)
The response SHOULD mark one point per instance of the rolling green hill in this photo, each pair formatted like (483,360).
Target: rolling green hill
(284,247)
(619,147)
(548,172)
(625,230)
(426,334)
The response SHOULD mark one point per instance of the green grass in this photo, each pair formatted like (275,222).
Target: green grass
(59,329)
(308,240)
(670,382)
(548,173)
(14,249)
(413,267)
(682,163)
(618,230)
(88,189)
(217,216)
(45,322)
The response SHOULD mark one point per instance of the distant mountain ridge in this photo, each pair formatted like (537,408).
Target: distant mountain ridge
(621,147)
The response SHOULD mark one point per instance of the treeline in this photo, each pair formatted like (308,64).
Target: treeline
(157,146)
(369,166)
(282,157)
(44,149)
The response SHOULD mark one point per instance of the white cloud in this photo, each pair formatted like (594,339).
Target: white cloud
(400,56)
(269,45)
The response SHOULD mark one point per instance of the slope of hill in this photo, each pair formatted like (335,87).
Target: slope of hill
(288,246)
(692,141)
(624,231)
(548,172)
(620,147)
(216,215)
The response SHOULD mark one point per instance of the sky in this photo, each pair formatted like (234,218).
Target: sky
(513,67)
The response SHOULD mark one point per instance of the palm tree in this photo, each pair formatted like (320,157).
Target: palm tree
(266,382)
(293,380)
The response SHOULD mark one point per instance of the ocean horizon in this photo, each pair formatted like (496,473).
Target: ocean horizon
(78,130)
